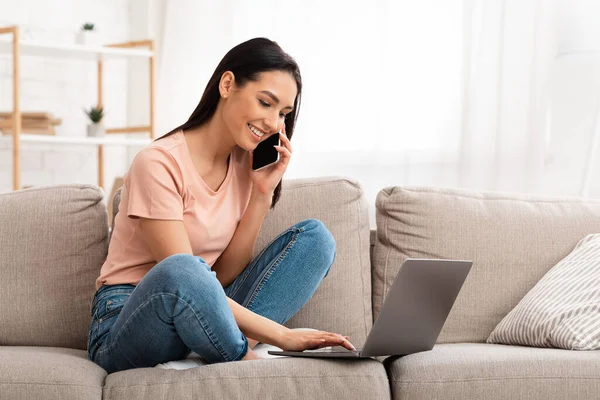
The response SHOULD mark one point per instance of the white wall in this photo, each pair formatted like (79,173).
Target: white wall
(64,87)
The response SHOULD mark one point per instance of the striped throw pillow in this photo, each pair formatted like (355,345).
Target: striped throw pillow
(563,309)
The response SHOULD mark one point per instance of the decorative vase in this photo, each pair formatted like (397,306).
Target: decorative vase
(96,130)
(86,37)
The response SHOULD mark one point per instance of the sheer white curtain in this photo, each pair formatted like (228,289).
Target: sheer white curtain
(395,92)
(509,49)
(575,104)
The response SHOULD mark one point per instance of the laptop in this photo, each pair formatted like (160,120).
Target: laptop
(413,314)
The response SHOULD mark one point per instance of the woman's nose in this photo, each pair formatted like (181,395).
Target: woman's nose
(271,124)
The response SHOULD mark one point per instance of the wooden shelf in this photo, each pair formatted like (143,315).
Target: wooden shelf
(81,52)
(84,140)
(18,47)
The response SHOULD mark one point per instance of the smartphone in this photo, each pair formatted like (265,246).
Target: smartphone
(265,154)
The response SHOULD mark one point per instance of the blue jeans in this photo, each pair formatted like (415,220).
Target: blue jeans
(180,306)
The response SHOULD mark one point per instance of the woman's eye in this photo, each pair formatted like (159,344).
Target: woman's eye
(267,105)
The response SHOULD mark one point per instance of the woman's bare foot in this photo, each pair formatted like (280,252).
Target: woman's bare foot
(251,355)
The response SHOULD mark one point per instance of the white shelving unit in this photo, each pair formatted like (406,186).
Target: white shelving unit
(81,52)
(50,139)
(100,54)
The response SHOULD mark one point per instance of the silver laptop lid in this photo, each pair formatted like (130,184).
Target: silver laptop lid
(416,306)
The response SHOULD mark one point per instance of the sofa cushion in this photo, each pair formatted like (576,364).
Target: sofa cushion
(53,242)
(285,378)
(562,308)
(48,373)
(488,371)
(513,240)
(342,303)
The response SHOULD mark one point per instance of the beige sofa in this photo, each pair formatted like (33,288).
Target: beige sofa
(53,241)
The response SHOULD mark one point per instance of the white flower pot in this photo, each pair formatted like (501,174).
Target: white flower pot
(96,130)
(85,37)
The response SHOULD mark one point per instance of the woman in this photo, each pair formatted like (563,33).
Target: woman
(179,276)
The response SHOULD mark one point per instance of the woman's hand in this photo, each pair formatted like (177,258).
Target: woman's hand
(265,181)
(307,340)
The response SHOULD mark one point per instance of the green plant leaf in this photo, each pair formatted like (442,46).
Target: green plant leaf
(95,114)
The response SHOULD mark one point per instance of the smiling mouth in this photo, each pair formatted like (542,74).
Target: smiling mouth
(256,131)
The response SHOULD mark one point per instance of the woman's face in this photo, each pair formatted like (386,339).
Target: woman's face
(257,110)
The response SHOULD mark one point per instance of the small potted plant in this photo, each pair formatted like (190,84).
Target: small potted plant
(95,129)
(87,34)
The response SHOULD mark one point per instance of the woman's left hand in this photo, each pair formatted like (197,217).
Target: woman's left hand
(265,181)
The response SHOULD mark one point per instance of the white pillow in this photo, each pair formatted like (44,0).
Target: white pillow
(563,309)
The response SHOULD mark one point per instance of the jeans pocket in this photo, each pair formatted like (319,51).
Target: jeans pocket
(106,312)
(111,306)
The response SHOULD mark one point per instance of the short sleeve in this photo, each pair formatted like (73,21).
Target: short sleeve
(155,186)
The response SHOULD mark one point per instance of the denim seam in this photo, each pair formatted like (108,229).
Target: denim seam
(243,352)
(253,265)
(94,308)
(255,261)
(202,323)
(107,293)
(108,315)
(273,266)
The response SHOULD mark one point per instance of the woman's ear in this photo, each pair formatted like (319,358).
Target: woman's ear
(226,83)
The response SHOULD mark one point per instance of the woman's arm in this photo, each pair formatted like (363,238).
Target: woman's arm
(165,238)
(238,253)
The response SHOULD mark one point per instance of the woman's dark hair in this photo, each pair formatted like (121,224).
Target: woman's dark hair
(246,61)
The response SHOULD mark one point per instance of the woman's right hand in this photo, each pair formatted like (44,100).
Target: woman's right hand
(296,340)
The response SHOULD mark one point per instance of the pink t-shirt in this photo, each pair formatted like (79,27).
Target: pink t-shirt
(162,183)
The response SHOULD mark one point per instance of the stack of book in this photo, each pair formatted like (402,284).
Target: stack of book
(39,123)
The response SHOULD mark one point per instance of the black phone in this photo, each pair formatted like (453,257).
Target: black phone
(265,154)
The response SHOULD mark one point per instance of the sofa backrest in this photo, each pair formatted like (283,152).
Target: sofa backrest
(53,241)
(512,239)
(343,301)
